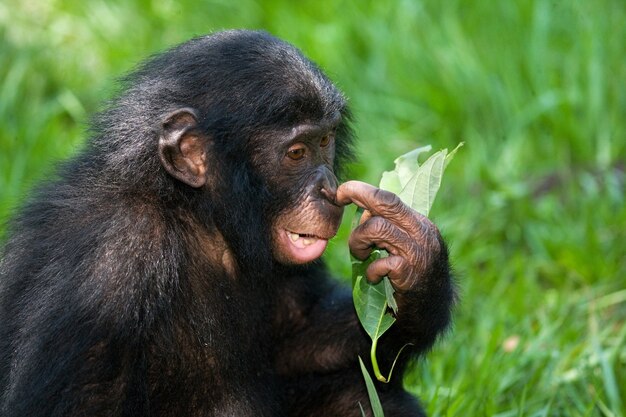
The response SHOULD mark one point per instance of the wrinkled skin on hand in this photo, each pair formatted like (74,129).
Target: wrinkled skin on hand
(413,242)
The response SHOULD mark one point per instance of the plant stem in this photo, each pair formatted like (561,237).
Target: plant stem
(379,376)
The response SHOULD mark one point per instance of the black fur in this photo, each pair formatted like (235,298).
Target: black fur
(111,300)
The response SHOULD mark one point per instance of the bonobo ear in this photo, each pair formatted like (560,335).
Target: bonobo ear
(182,147)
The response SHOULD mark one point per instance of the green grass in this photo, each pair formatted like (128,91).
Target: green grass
(533,205)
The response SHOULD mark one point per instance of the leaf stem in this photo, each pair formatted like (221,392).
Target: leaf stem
(379,376)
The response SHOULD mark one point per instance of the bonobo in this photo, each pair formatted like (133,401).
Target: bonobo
(172,268)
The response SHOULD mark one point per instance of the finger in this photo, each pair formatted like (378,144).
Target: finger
(381,233)
(395,267)
(350,192)
(384,203)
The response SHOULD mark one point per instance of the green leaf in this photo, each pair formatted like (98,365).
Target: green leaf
(451,154)
(390,182)
(377,407)
(389,292)
(420,191)
(417,186)
(370,302)
(407,164)
(406,167)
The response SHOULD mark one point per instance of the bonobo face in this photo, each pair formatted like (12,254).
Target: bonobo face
(297,165)
(257,103)
(301,174)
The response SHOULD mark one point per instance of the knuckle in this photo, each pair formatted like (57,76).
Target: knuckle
(388,201)
(381,229)
(378,226)
(358,242)
(430,226)
(396,263)
(434,240)
(428,233)
(399,272)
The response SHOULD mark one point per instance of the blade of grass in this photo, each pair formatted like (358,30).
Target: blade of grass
(377,407)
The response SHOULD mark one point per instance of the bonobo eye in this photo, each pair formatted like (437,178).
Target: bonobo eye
(326,140)
(296,152)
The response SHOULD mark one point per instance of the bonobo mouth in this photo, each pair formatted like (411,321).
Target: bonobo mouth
(303,247)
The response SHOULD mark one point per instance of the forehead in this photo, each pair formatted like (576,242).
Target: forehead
(273,81)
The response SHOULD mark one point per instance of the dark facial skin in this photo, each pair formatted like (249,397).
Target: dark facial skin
(305,161)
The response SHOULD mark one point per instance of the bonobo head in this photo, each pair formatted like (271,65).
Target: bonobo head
(249,131)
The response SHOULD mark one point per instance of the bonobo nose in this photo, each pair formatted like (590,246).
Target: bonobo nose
(326,185)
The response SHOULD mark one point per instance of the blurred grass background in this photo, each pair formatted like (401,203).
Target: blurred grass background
(533,205)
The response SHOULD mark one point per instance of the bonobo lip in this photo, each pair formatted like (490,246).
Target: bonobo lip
(303,247)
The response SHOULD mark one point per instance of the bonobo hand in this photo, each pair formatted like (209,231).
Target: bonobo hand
(413,242)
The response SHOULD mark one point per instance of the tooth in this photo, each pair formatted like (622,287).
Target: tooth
(294,236)
(308,241)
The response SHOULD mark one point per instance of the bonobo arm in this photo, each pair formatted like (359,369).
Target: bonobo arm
(322,332)
(77,298)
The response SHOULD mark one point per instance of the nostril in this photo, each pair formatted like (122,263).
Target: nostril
(330,195)
(325,185)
